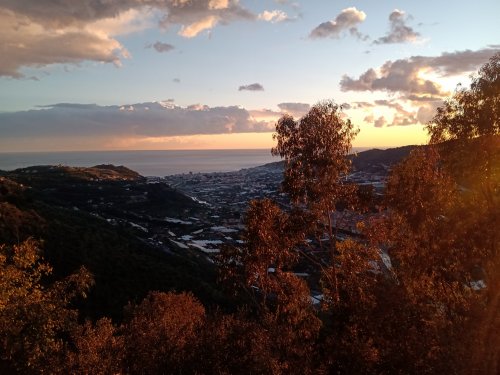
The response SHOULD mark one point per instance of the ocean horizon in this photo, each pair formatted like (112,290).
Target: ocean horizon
(148,163)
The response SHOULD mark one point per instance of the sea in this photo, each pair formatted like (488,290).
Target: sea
(147,163)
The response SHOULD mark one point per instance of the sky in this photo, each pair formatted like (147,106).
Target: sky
(217,74)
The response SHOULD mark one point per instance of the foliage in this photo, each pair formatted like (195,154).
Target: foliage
(471,118)
(97,349)
(263,269)
(442,242)
(419,189)
(471,112)
(277,241)
(33,318)
(160,335)
(238,345)
(315,149)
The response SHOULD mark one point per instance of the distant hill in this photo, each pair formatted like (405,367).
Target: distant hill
(43,174)
(372,160)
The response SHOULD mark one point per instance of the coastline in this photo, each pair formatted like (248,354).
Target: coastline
(148,163)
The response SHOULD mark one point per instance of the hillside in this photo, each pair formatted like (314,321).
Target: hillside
(373,160)
(92,217)
(370,161)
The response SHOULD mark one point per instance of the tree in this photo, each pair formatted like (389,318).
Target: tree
(471,121)
(263,269)
(278,240)
(427,283)
(234,344)
(161,334)
(440,232)
(270,239)
(471,112)
(34,317)
(315,150)
(96,349)
(349,344)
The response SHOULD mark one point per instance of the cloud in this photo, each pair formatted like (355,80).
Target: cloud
(394,105)
(37,33)
(295,109)
(251,87)
(402,116)
(218,4)
(161,47)
(397,76)
(274,16)
(360,105)
(70,106)
(426,113)
(404,76)
(26,45)
(176,80)
(380,122)
(152,119)
(63,13)
(405,111)
(347,20)
(399,31)
(193,29)
(401,120)
(454,63)
(422,98)
(266,115)
(125,23)
(197,16)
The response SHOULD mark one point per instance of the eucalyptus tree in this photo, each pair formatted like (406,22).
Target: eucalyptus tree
(315,150)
